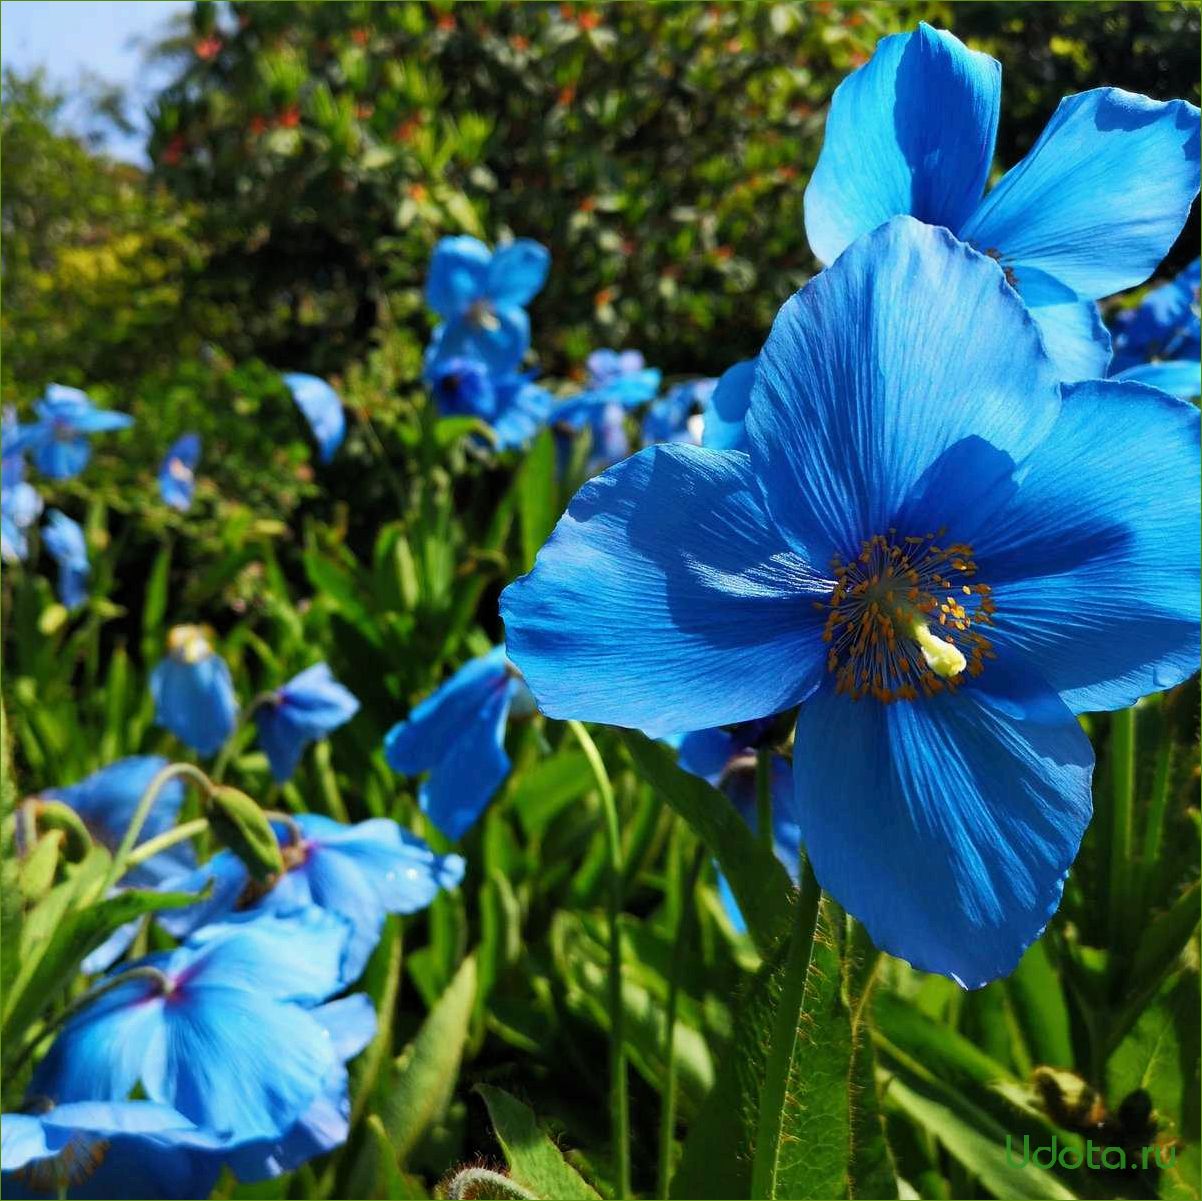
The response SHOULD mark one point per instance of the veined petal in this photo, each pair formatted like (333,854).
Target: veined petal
(1074,335)
(909,344)
(911,131)
(1101,197)
(1180,377)
(946,825)
(1094,563)
(517,272)
(666,600)
(458,270)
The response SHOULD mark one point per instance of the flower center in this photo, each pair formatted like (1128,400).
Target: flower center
(901,618)
(481,315)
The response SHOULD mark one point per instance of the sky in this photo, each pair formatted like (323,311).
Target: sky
(105,37)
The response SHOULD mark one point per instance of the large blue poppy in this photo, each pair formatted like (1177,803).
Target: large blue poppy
(193,692)
(1159,341)
(457,735)
(65,543)
(936,547)
(177,472)
(58,439)
(1091,210)
(310,706)
(322,408)
(359,872)
(481,296)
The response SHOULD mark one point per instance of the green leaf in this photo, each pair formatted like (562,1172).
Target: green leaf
(1037,996)
(534,1160)
(757,879)
(422,1079)
(238,823)
(538,496)
(449,430)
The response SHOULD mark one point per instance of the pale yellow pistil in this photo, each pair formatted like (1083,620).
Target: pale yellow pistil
(944,658)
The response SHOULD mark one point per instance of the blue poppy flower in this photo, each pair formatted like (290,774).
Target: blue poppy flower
(677,417)
(481,296)
(193,693)
(305,709)
(359,872)
(457,734)
(726,411)
(65,544)
(617,381)
(1159,342)
(912,131)
(322,409)
(58,439)
(177,474)
(944,585)
(20,504)
(105,1148)
(221,1028)
(511,403)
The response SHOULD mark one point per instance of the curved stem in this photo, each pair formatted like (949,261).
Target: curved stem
(227,750)
(169,838)
(619,1100)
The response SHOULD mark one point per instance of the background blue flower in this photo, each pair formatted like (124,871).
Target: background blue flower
(58,439)
(65,543)
(307,708)
(193,692)
(20,504)
(1159,341)
(177,474)
(322,409)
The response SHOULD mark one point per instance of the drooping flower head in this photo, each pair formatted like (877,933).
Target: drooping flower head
(1159,341)
(107,1148)
(65,543)
(322,409)
(359,872)
(677,417)
(481,296)
(177,474)
(58,439)
(1092,209)
(193,692)
(457,735)
(939,549)
(307,708)
(20,504)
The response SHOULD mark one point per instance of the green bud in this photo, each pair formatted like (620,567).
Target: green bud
(239,823)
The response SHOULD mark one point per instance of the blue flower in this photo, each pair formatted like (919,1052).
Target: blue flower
(20,504)
(617,381)
(676,417)
(1158,342)
(322,409)
(945,585)
(177,475)
(1091,210)
(222,1028)
(481,296)
(66,546)
(511,403)
(107,1148)
(305,709)
(58,439)
(193,693)
(726,411)
(457,734)
(359,872)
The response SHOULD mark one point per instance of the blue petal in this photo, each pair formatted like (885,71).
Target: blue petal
(1101,197)
(837,440)
(72,587)
(458,270)
(945,825)
(227,878)
(517,272)
(23,1137)
(1165,324)
(100,421)
(706,753)
(1094,564)
(62,459)
(499,339)
(195,701)
(322,409)
(1179,377)
(177,481)
(727,409)
(106,799)
(350,1022)
(522,410)
(1074,335)
(308,707)
(666,600)
(911,131)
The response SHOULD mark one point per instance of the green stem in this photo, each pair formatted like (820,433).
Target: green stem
(667,1117)
(619,1100)
(763,797)
(152,846)
(142,812)
(1122,778)
(1158,804)
(227,750)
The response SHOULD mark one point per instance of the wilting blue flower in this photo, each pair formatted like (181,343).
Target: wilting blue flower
(1091,210)
(1158,342)
(481,296)
(177,475)
(322,409)
(944,584)
(226,1032)
(617,381)
(65,544)
(20,504)
(58,439)
(359,872)
(457,734)
(511,403)
(727,409)
(107,1148)
(676,417)
(193,693)
(305,709)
